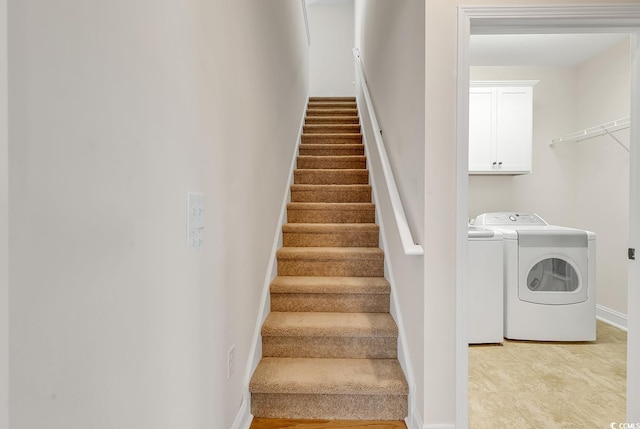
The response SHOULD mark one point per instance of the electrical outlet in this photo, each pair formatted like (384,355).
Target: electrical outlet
(231,365)
(195,221)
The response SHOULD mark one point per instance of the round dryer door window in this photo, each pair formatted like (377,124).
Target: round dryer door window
(553,275)
(553,267)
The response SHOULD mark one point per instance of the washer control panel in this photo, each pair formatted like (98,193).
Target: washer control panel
(509,218)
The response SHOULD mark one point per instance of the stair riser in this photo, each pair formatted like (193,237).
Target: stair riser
(331,129)
(331,150)
(330,216)
(328,302)
(332,120)
(330,347)
(332,196)
(332,138)
(346,407)
(337,239)
(332,105)
(332,112)
(324,162)
(337,268)
(331,177)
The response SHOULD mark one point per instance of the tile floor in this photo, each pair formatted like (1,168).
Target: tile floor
(532,385)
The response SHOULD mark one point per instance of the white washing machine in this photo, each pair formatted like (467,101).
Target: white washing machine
(549,278)
(486,290)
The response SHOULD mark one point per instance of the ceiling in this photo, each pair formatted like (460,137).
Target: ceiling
(539,49)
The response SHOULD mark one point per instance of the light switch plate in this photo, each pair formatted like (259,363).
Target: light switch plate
(195,220)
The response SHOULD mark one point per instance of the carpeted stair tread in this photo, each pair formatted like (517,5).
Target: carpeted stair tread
(324,162)
(330,294)
(354,119)
(312,149)
(329,376)
(332,112)
(335,138)
(331,193)
(330,234)
(330,285)
(326,324)
(331,212)
(323,228)
(331,128)
(330,261)
(332,105)
(329,98)
(331,176)
(320,188)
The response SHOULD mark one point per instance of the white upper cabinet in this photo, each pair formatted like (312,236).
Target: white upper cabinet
(500,127)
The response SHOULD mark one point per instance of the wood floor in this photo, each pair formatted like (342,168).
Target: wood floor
(259,423)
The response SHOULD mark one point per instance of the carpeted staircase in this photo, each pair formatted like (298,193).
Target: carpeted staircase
(329,345)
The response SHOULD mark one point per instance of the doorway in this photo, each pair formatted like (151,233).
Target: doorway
(546,20)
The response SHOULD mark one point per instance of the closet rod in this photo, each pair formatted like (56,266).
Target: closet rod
(600,130)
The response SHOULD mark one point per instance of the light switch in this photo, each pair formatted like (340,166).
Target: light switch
(195,220)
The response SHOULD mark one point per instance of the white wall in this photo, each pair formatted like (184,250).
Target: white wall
(388,35)
(4,225)
(602,170)
(549,189)
(441,17)
(331,69)
(117,110)
(582,185)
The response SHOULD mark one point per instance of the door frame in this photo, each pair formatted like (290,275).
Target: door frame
(544,20)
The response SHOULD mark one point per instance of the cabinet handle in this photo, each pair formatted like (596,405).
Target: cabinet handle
(494,163)
(500,163)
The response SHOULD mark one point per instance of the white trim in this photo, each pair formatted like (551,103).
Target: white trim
(633,301)
(306,21)
(440,426)
(255,352)
(413,421)
(243,418)
(462,231)
(611,317)
(557,19)
(4,219)
(508,83)
(534,19)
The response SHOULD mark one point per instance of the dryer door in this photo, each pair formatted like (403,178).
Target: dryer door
(552,267)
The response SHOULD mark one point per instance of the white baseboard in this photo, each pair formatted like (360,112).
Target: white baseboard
(440,426)
(243,418)
(414,421)
(611,317)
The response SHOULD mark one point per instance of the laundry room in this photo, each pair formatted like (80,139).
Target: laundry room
(577,176)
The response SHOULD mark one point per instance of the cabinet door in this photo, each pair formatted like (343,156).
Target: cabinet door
(482,127)
(514,131)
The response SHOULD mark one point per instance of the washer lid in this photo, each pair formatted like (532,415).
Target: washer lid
(509,219)
(476,232)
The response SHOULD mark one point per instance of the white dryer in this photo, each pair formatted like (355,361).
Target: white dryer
(549,278)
